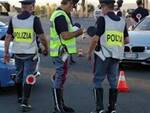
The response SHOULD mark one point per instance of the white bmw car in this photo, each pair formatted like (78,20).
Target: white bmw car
(138,50)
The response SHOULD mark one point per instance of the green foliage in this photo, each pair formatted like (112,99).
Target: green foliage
(37,10)
(45,10)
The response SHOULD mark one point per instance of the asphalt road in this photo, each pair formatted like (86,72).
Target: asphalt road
(78,88)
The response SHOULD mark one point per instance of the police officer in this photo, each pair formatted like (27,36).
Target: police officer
(108,43)
(62,43)
(140,12)
(22,30)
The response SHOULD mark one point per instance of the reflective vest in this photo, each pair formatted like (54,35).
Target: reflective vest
(55,39)
(24,37)
(112,41)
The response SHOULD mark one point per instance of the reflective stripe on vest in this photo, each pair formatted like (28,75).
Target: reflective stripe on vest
(55,39)
(112,41)
(24,38)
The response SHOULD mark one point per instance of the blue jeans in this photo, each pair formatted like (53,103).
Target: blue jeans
(109,68)
(61,72)
(24,68)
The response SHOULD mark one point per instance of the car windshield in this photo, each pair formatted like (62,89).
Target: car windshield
(144,25)
(2,24)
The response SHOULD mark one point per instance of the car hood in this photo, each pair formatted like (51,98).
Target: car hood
(139,38)
(2,48)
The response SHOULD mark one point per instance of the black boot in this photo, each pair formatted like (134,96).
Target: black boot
(25,106)
(98,94)
(112,100)
(19,92)
(66,108)
(57,93)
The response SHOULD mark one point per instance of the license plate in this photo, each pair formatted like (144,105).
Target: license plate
(130,55)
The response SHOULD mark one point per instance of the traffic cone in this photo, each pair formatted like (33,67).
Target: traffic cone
(80,52)
(122,84)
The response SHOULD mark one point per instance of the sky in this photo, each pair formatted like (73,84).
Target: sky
(15,2)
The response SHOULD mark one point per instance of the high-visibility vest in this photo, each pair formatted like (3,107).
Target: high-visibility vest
(24,37)
(55,39)
(112,41)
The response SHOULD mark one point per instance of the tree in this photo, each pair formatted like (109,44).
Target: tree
(82,9)
(52,7)
(37,10)
(43,10)
(83,5)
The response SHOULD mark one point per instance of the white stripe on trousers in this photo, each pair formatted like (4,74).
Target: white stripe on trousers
(56,100)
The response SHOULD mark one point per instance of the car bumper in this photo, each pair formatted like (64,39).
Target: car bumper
(135,57)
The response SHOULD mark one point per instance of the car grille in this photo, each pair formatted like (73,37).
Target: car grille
(134,49)
(127,49)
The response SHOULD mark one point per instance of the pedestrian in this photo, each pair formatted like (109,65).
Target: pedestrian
(119,5)
(22,30)
(108,46)
(97,12)
(140,12)
(62,43)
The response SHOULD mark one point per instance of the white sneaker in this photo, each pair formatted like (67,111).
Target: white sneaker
(114,111)
(25,108)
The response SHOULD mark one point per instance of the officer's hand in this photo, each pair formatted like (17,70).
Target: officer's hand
(6,58)
(79,32)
